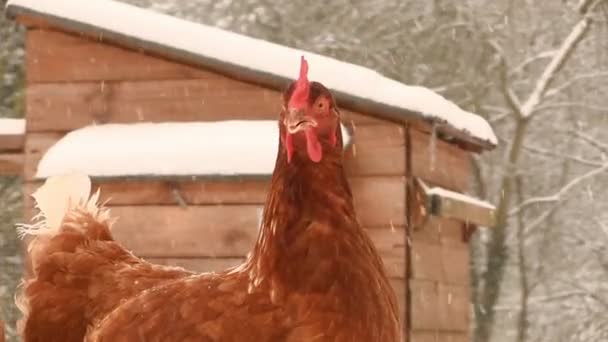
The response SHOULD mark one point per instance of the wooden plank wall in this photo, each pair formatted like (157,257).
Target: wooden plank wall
(11,154)
(438,258)
(73,82)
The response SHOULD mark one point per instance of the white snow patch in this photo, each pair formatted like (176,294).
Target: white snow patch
(235,49)
(167,149)
(459,197)
(12,126)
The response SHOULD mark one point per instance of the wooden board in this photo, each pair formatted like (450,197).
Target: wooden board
(447,265)
(445,165)
(74,105)
(196,231)
(465,211)
(173,231)
(12,142)
(445,232)
(391,245)
(36,146)
(54,56)
(199,192)
(437,306)
(11,164)
(378,195)
(57,57)
(216,231)
(378,200)
(377,150)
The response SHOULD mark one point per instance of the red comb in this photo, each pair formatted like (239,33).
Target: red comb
(299,97)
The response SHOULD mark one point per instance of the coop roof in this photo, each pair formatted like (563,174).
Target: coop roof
(258,61)
(222,148)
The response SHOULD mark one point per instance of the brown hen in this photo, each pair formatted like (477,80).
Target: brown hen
(313,275)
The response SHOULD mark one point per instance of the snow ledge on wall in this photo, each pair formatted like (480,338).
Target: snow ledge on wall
(215,48)
(223,148)
(12,126)
(460,197)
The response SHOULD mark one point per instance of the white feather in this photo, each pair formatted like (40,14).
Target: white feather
(54,199)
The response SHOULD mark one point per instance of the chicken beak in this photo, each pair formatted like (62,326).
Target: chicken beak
(296,120)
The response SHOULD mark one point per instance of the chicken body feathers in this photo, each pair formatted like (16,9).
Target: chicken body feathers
(79,273)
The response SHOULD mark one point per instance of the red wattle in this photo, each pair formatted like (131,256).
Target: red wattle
(333,139)
(313,146)
(289,146)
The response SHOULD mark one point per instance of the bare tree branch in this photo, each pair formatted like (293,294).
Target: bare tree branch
(547,153)
(570,82)
(559,105)
(590,140)
(559,194)
(563,53)
(508,92)
(530,60)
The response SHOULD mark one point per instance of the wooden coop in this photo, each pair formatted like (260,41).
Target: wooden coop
(147,79)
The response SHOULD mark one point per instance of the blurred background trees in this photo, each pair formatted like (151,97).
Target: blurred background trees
(537,70)
(11,105)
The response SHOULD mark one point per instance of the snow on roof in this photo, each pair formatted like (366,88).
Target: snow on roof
(12,126)
(257,60)
(223,148)
(459,197)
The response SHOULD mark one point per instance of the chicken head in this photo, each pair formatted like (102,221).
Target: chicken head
(310,120)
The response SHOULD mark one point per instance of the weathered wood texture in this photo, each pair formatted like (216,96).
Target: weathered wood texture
(439,281)
(75,105)
(439,162)
(36,145)
(102,83)
(11,164)
(378,200)
(439,307)
(465,211)
(226,246)
(438,253)
(224,216)
(11,142)
(53,56)
(438,256)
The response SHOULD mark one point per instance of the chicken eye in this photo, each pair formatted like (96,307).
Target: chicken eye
(321,106)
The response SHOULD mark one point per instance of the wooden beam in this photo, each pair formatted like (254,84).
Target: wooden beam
(377,199)
(449,204)
(12,142)
(54,56)
(465,211)
(11,164)
(439,162)
(437,306)
(75,105)
(448,265)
